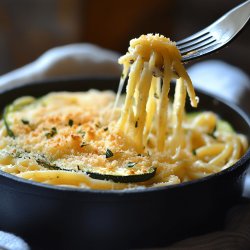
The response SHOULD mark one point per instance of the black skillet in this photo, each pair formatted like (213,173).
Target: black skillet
(49,217)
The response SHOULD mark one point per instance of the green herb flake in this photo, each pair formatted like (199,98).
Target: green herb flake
(25,122)
(136,124)
(156,96)
(83,144)
(106,129)
(71,122)
(48,135)
(194,152)
(109,153)
(80,131)
(54,130)
(51,133)
(131,164)
(98,124)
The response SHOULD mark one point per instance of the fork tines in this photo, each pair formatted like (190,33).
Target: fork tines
(200,40)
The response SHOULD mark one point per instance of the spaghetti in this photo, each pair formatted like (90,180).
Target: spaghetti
(64,139)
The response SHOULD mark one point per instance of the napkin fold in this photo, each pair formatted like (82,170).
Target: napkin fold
(216,77)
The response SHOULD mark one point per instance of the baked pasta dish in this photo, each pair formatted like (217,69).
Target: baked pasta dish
(102,140)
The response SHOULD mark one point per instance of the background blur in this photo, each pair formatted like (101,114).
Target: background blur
(30,27)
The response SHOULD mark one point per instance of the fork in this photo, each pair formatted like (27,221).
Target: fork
(215,36)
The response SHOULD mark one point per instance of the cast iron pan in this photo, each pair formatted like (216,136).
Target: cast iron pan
(49,217)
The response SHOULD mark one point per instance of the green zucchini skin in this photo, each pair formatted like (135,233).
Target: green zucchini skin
(44,162)
(6,123)
(108,177)
(124,178)
(13,108)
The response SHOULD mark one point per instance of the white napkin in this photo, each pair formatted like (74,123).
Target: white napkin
(223,80)
(216,77)
(10,241)
(86,60)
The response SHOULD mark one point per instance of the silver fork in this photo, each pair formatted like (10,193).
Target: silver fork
(215,36)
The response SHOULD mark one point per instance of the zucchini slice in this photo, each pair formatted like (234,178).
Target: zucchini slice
(221,125)
(101,174)
(17,105)
(124,178)
(6,122)
(224,126)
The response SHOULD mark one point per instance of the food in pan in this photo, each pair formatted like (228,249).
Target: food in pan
(99,140)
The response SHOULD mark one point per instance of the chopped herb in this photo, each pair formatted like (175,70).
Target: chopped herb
(194,152)
(71,122)
(48,135)
(81,132)
(109,153)
(54,130)
(83,144)
(98,124)
(136,124)
(156,96)
(106,129)
(26,122)
(122,76)
(51,133)
(131,164)
(139,155)
(78,167)
(131,61)
(18,154)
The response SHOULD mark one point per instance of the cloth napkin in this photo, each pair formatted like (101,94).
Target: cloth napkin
(86,60)
(10,241)
(216,77)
